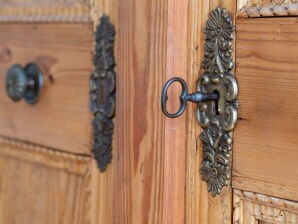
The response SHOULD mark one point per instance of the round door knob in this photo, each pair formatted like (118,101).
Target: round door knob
(24,83)
(16,82)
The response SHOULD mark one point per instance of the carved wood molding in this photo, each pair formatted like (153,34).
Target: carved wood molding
(265,8)
(77,164)
(88,192)
(45,13)
(251,207)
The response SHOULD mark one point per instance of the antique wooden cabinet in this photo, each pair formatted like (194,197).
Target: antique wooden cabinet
(55,165)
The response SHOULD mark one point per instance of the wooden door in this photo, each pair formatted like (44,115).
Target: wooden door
(157,162)
(159,159)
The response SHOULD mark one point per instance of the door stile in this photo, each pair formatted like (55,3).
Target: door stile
(175,129)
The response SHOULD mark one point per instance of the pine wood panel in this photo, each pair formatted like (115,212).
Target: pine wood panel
(140,129)
(201,207)
(175,129)
(61,119)
(39,185)
(265,146)
(151,159)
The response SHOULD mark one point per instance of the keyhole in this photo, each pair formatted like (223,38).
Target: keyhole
(216,103)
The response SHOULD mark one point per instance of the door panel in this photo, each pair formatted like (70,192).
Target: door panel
(265,140)
(40,185)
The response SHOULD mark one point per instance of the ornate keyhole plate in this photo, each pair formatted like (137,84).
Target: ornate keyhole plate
(102,93)
(217,118)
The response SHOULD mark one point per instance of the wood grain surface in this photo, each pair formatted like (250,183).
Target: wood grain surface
(265,146)
(175,129)
(40,185)
(140,124)
(61,119)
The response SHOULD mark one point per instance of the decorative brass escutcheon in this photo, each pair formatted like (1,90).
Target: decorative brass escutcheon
(102,92)
(24,83)
(217,100)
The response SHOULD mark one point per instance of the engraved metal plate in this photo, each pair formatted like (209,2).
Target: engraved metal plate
(217,118)
(102,93)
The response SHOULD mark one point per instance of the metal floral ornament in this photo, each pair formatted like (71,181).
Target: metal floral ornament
(217,118)
(102,92)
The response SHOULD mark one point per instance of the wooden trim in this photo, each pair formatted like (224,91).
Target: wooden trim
(250,9)
(67,162)
(47,13)
(251,207)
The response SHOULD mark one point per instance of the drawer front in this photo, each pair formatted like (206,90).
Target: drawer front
(265,152)
(61,118)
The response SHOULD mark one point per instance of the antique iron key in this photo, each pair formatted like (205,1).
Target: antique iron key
(184,97)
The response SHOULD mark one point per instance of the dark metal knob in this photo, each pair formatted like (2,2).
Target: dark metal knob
(24,83)
(184,97)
